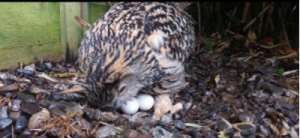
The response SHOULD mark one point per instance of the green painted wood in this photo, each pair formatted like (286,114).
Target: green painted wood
(31,31)
(28,30)
(27,54)
(71,30)
(96,10)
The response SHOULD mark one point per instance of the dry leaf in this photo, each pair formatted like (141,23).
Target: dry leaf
(217,78)
(38,120)
(162,105)
(297,126)
(10,87)
(275,129)
(294,133)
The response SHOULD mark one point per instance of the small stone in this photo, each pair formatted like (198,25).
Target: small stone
(38,119)
(264,70)
(57,112)
(165,119)
(179,124)
(159,132)
(3,112)
(16,105)
(201,86)
(90,112)
(45,103)
(275,89)
(286,105)
(86,124)
(215,116)
(105,131)
(290,94)
(130,133)
(97,115)
(30,108)
(24,96)
(26,132)
(5,123)
(247,129)
(246,117)
(21,124)
(14,115)
(6,134)
(223,125)
(230,89)
(210,101)
(263,130)
(31,100)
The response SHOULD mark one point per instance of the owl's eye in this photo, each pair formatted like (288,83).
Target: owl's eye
(121,90)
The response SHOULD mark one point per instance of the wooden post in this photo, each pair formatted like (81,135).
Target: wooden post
(71,30)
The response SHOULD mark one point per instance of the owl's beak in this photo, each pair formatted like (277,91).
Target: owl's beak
(116,106)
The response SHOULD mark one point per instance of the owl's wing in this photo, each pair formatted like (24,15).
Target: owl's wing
(169,30)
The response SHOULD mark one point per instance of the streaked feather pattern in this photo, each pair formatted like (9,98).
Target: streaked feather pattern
(150,40)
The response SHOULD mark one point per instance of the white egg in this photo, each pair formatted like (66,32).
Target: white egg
(131,106)
(145,101)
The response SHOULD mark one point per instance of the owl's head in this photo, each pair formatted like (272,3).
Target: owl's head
(113,95)
(128,87)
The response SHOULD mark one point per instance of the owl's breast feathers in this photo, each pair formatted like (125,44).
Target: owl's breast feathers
(149,39)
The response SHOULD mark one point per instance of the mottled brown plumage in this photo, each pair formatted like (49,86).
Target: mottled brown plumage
(136,46)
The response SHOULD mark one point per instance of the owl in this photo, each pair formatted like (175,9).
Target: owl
(136,47)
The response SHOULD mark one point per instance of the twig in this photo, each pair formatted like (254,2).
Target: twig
(292,55)
(259,15)
(76,89)
(286,36)
(273,46)
(245,13)
(270,21)
(261,20)
(81,21)
(199,18)
(43,75)
(233,14)
(110,4)
(12,131)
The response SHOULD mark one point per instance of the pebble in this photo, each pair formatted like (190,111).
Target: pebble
(286,105)
(15,115)
(6,134)
(5,123)
(223,125)
(246,117)
(45,103)
(201,86)
(247,129)
(24,96)
(130,133)
(166,119)
(265,70)
(57,112)
(290,94)
(159,132)
(31,100)
(3,112)
(30,108)
(263,130)
(86,124)
(89,112)
(26,132)
(105,131)
(179,124)
(275,89)
(21,124)
(16,105)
